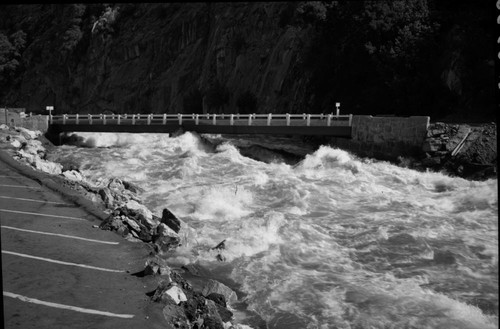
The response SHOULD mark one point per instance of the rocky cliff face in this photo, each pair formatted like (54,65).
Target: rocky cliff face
(168,57)
(249,57)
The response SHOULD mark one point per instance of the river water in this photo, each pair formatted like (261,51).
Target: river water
(333,241)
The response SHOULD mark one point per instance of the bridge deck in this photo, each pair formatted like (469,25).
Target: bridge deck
(326,125)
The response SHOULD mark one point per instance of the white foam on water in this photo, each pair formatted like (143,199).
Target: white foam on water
(313,240)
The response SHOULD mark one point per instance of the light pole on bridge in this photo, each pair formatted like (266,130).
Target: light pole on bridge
(50,109)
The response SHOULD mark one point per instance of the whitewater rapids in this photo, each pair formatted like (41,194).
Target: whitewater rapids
(334,241)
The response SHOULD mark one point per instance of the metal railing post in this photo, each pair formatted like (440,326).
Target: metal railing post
(350,119)
(118,119)
(64,119)
(231,120)
(269,118)
(329,120)
(180,119)
(164,118)
(308,121)
(149,119)
(196,119)
(133,119)
(250,119)
(104,119)
(90,119)
(77,119)
(214,119)
(287,119)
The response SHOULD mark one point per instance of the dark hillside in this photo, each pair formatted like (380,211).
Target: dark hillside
(412,57)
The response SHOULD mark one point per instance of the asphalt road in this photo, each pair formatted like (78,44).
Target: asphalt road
(58,271)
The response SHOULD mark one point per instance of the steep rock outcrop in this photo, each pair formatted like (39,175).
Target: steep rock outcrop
(168,57)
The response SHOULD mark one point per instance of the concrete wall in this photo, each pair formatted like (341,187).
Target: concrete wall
(385,137)
(15,119)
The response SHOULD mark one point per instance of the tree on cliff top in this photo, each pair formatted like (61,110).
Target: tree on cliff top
(370,53)
(10,56)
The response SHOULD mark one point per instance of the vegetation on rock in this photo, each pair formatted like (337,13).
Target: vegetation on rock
(413,57)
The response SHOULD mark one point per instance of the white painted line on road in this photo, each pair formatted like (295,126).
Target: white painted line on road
(33,200)
(23,186)
(57,234)
(39,214)
(60,262)
(66,307)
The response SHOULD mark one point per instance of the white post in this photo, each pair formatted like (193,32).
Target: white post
(90,119)
(337,105)
(329,120)
(149,119)
(180,119)
(303,116)
(250,120)
(104,119)
(77,119)
(287,119)
(308,122)
(214,119)
(48,108)
(64,119)
(231,120)
(350,119)
(118,119)
(197,119)
(208,116)
(164,118)
(269,118)
(133,119)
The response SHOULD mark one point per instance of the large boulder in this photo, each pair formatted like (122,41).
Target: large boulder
(47,166)
(16,144)
(73,175)
(114,223)
(212,318)
(170,220)
(175,317)
(141,209)
(213,286)
(157,265)
(163,244)
(176,294)
(28,134)
(220,302)
(168,292)
(107,197)
(217,299)
(33,146)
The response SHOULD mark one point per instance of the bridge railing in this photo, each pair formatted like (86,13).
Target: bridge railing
(269,119)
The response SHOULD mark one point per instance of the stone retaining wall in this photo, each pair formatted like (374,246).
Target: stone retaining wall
(385,137)
(17,119)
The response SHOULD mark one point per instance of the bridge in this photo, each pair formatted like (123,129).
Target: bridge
(286,124)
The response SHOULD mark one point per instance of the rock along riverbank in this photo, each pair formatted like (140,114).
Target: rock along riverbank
(117,203)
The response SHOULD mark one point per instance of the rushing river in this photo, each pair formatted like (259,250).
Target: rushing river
(333,241)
